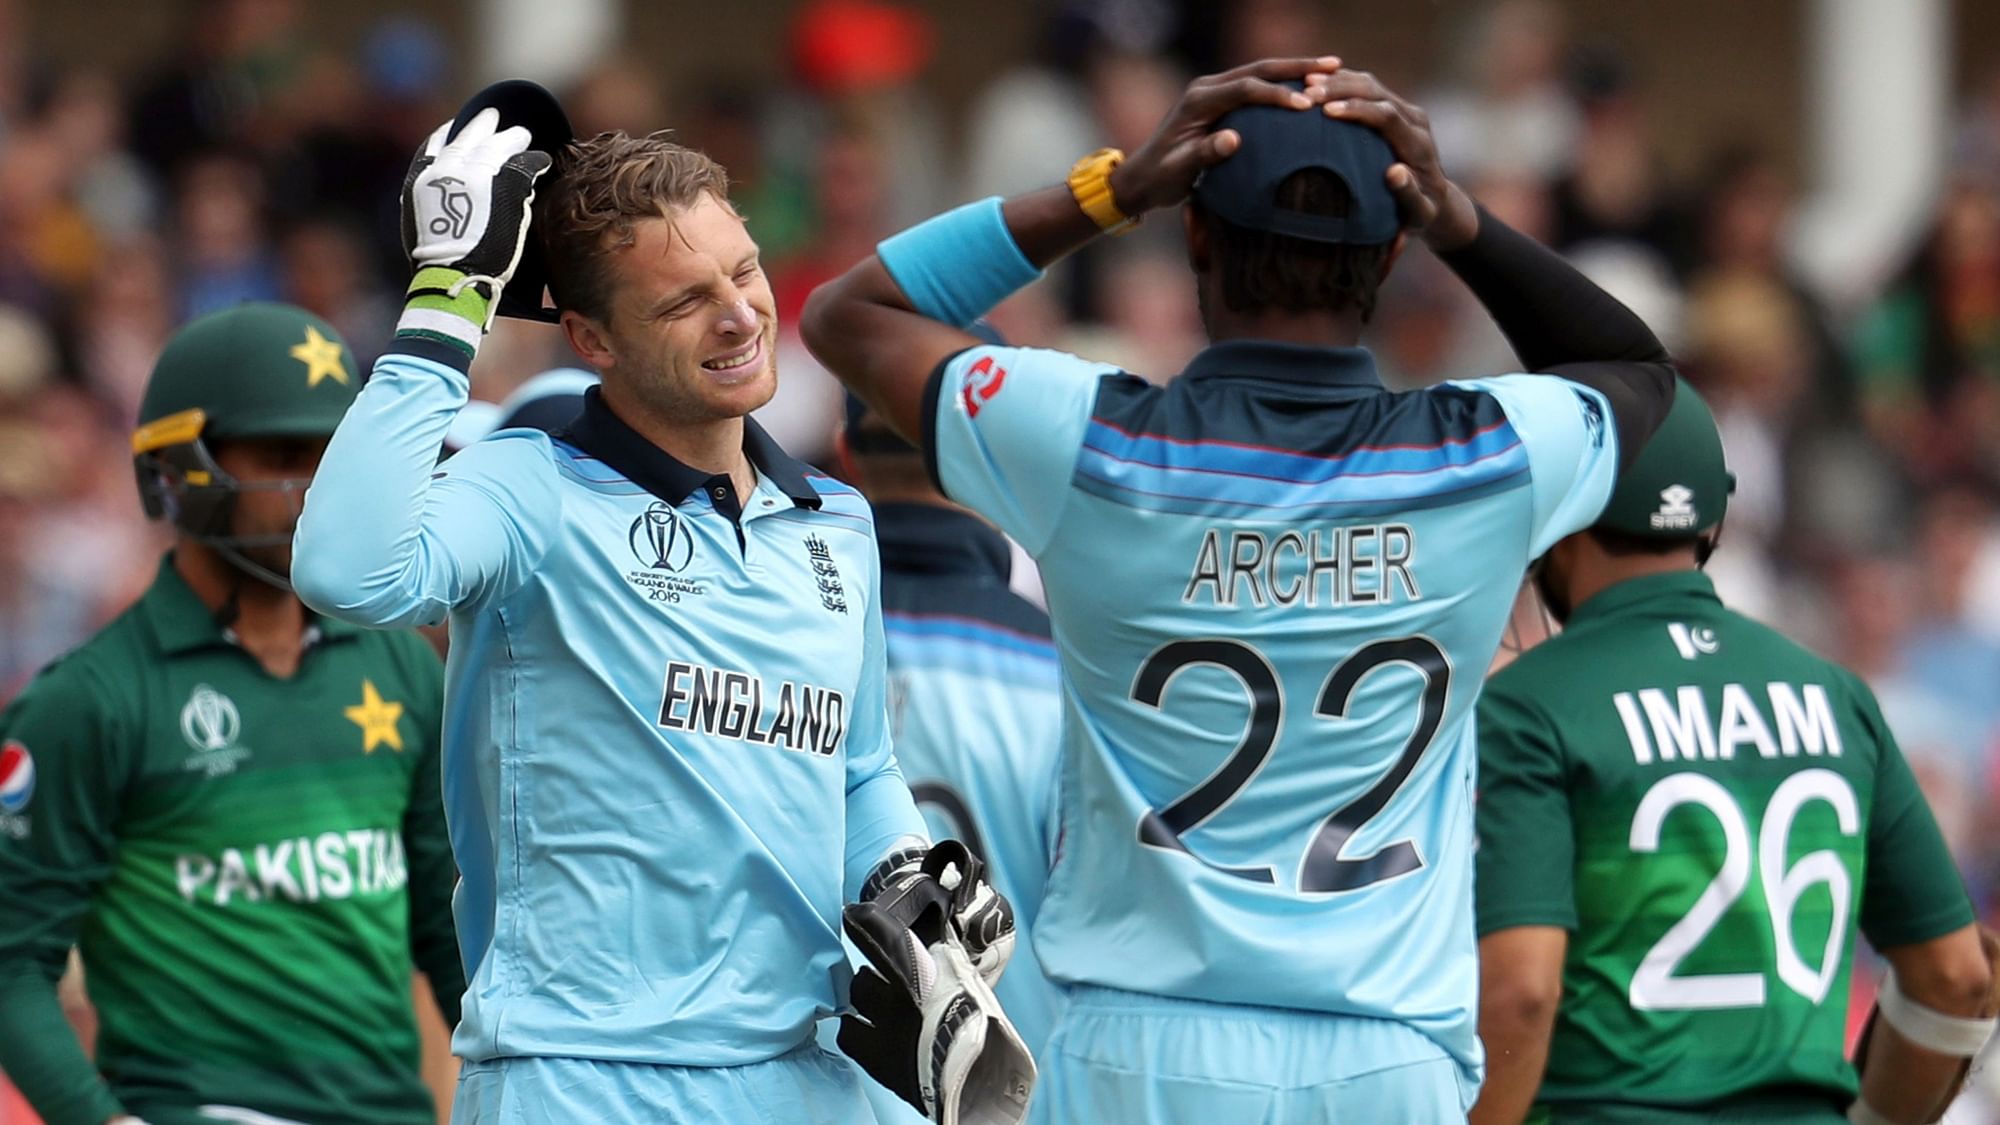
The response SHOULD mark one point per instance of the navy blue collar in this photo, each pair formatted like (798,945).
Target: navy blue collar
(931,539)
(605,436)
(1290,363)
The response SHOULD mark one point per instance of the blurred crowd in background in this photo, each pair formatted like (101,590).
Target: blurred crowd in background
(254,162)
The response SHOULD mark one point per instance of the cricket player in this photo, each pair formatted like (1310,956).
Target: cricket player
(228,803)
(667,760)
(1274,586)
(972,689)
(1684,819)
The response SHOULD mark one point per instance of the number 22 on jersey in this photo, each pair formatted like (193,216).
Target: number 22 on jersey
(1657,985)
(1325,867)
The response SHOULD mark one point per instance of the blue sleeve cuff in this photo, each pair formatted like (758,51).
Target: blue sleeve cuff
(954,268)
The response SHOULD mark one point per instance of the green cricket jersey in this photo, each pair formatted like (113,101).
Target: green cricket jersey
(250,867)
(1710,810)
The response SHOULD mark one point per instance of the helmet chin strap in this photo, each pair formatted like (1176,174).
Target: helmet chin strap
(229,547)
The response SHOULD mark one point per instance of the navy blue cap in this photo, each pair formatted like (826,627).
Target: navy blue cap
(1243,189)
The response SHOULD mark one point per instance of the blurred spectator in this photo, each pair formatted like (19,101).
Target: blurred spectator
(239,56)
(726,120)
(1271,29)
(224,258)
(117,334)
(85,120)
(1150,319)
(1614,189)
(46,244)
(1977,153)
(851,198)
(1928,353)
(327,271)
(620,94)
(858,62)
(1937,733)
(1517,115)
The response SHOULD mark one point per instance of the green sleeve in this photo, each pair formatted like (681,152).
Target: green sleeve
(1527,851)
(1911,890)
(54,854)
(433,875)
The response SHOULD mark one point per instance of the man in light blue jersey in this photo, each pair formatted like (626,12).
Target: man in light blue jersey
(667,759)
(972,689)
(1274,586)
(972,696)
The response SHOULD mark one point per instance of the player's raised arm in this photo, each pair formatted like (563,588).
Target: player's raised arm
(382,541)
(887,324)
(1559,321)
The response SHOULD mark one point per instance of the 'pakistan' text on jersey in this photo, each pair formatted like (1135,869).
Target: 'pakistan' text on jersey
(249,866)
(666,749)
(973,702)
(1710,810)
(1275,587)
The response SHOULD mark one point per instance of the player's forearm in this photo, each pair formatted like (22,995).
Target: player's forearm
(39,1052)
(881,816)
(1517,1054)
(1561,323)
(1550,312)
(359,550)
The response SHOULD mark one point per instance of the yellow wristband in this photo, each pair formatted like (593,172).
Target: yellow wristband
(1090,183)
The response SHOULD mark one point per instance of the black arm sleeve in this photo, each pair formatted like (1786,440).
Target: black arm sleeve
(1560,323)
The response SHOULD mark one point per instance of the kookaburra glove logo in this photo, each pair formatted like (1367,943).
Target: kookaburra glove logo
(457,205)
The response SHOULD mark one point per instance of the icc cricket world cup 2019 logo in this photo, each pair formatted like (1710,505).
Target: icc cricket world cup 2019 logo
(659,540)
(457,205)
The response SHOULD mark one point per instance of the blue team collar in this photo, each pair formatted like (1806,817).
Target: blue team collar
(605,436)
(1290,363)
(930,539)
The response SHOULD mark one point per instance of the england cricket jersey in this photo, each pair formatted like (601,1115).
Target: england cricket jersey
(666,754)
(1275,587)
(973,702)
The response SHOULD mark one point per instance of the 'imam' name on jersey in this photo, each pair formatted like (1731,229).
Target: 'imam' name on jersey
(1331,566)
(731,705)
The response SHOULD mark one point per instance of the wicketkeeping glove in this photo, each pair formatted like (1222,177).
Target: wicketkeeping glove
(466,205)
(925,1022)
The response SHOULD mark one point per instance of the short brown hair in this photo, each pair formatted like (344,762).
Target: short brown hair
(605,184)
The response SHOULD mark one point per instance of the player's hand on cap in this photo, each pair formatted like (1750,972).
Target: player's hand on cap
(1430,203)
(466,200)
(1163,170)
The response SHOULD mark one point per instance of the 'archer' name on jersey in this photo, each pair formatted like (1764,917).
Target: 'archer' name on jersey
(731,705)
(1332,566)
(332,865)
(1680,725)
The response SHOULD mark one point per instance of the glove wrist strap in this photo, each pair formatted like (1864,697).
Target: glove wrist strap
(448,306)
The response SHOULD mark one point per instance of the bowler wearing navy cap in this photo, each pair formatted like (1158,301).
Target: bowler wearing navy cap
(1274,585)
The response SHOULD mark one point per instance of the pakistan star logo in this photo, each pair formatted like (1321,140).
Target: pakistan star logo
(659,541)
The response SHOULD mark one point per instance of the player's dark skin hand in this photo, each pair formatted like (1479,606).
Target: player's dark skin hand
(1163,170)
(1432,206)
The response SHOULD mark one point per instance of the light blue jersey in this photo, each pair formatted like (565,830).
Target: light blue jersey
(1275,588)
(666,752)
(976,715)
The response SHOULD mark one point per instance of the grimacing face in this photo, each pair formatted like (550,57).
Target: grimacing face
(692,327)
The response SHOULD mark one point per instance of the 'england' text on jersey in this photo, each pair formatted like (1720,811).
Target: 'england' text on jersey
(1666,727)
(731,705)
(1333,566)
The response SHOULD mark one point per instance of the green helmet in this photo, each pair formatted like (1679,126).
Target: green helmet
(258,370)
(1679,486)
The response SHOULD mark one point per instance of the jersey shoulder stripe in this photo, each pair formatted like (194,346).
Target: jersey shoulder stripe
(1226,451)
